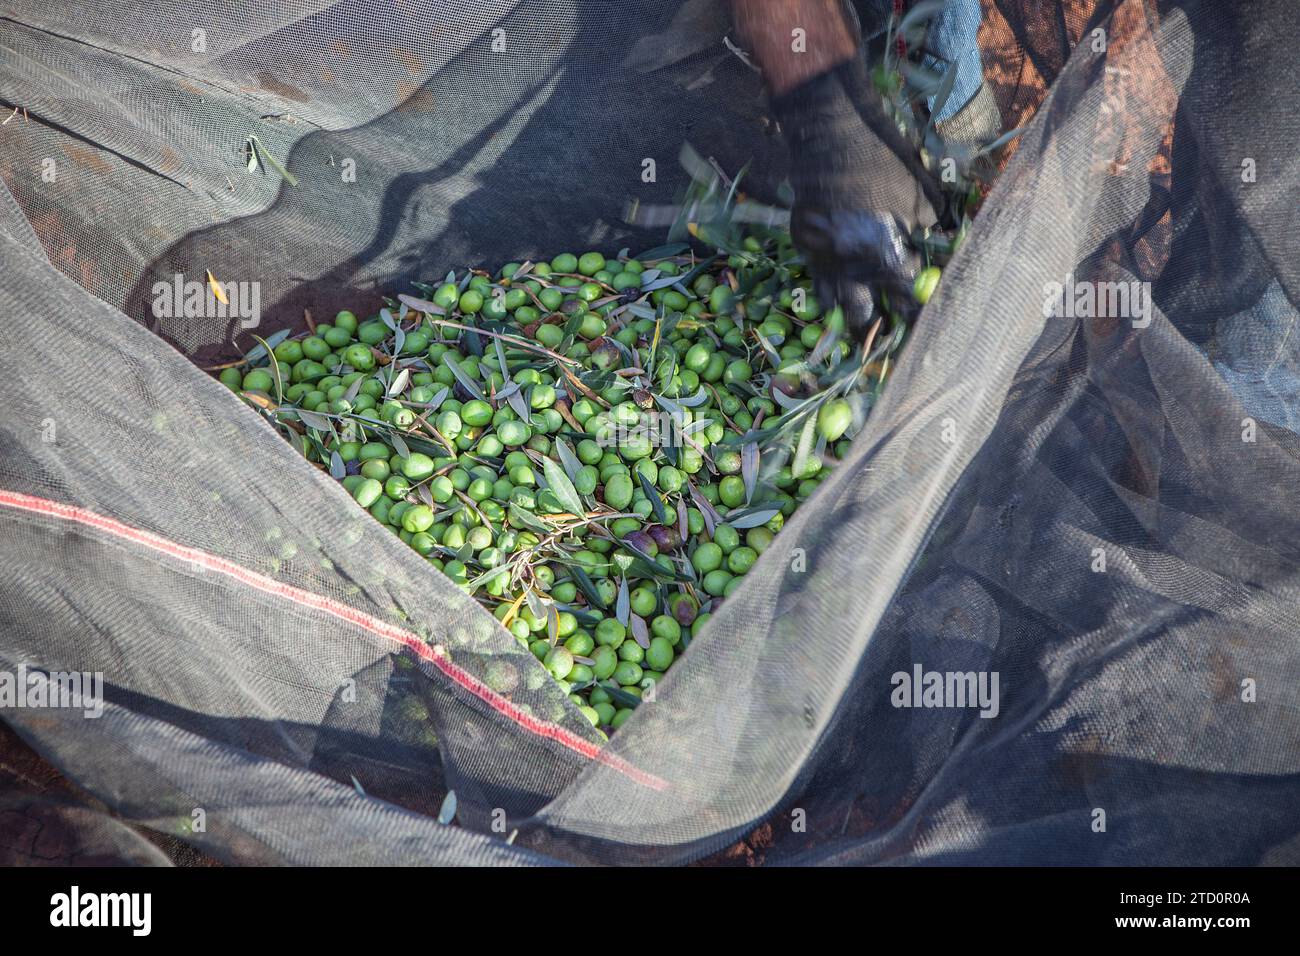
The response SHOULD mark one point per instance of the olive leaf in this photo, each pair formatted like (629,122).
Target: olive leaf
(398,384)
(463,377)
(624,603)
(698,398)
(699,268)
(648,567)
(483,578)
(641,311)
(664,252)
(275,368)
(735,183)
(337,468)
(439,398)
(399,443)
(562,487)
(314,420)
(299,444)
(760,435)
(516,401)
(640,633)
(669,406)
(258,351)
(449,511)
(275,163)
(620,696)
(752,519)
(572,466)
(501,359)
(749,469)
(825,342)
(784,400)
(447,812)
(772,355)
(805,447)
(535,603)
(656,502)
(421,305)
(662,282)
(999,142)
(584,582)
(521,518)
(711,517)
(474,342)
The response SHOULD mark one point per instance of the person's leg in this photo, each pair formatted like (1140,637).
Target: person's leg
(769,28)
(952,43)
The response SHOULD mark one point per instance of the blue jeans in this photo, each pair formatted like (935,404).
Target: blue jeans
(953,38)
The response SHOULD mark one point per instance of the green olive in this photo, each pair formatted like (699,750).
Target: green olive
(259,380)
(927,280)
(659,654)
(559,661)
(707,558)
(590,263)
(834,418)
(470,301)
(367,492)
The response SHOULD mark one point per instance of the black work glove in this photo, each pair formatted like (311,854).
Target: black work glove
(860,190)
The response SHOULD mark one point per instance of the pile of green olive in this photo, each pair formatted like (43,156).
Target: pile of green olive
(599,450)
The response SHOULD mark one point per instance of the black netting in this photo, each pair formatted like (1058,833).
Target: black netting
(1101,511)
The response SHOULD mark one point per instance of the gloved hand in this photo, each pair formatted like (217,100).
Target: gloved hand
(859,191)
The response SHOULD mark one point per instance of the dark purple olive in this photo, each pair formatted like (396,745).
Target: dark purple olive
(666,538)
(685,612)
(643,542)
